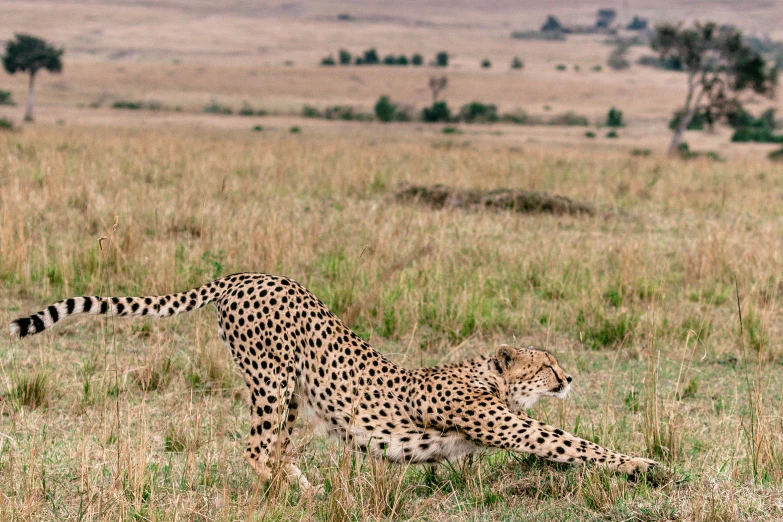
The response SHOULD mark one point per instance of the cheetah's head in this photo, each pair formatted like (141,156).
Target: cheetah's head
(530,374)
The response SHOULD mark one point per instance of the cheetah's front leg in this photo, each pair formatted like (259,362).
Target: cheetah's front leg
(526,435)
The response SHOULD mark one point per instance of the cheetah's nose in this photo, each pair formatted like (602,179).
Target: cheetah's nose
(569,379)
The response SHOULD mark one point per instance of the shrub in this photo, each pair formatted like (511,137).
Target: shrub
(485,63)
(442,59)
(775,155)
(438,112)
(258,128)
(614,118)
(125,104)
(451,130)
(385,110)
(576,67)
(551,24)
(308,111)
(5,98)
(612,134)
(617,59)
(589,134)
(700,119)
(417,59)
(329,60)
(597,68)
(216,108)
(345,57)
(517,63)
(246,110)
(402,60)
(637,24)
(6,124)
(371,57)
(390,60)
(561,67)
(295,130)
(477,112)
(569,118)
(640,152)
(756,134)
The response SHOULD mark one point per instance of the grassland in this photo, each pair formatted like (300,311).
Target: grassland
(143,420)
(107,420)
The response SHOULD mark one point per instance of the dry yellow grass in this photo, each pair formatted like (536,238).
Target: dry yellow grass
(145,419)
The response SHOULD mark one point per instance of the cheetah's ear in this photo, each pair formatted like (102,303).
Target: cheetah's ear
(505,356)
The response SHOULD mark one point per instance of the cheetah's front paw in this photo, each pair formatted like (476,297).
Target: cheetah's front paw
(636,465)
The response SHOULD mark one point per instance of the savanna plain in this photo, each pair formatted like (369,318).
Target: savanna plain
(664,305)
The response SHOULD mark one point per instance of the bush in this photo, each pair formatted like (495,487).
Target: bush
(589,134)
(5,98)
(442,59)
(700,119)
(216,108)
(615,118)
(246,110)
(295,130)
(125,104)
(258,128)
(775,155)
(438,112)
(538,35)
(345,57)
(476,112)
(756,134)
(612,134)
(569,118)
(561,67)
(517,63)
(637,24)
(6,124)
(451,130)
(385,110)
(308,111)
(597,68)
(390,60)
(402,60)
(485,63)
(329,60)
(371,57)
(551,24)
(640,152)
(417,59)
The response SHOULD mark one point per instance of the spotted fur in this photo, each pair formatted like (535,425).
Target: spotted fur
(294,353)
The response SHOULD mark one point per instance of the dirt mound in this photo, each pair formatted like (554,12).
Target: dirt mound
(441,196)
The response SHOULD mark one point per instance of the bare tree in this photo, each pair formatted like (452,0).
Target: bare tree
(437,84)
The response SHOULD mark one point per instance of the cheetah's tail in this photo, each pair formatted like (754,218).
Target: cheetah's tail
(157,306)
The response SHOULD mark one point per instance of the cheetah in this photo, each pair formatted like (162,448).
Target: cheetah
(295,354)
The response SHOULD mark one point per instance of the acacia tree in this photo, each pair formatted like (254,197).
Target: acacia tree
(720,68)
(30,54)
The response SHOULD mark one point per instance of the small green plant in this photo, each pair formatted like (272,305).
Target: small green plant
(6,99)
(485,63)
(127,104)
(589,134)
(438,112)
(451,130)
(640,152)
(295,129)
(615,118)
(612,134)
(597,68)
(561,67)
(30,390)
(217,108)
(258,128)
(308,111)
